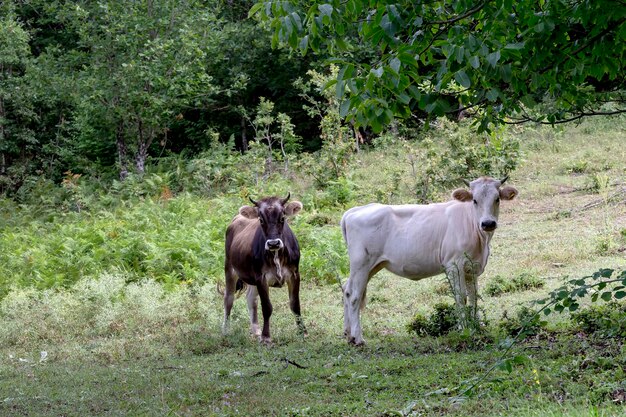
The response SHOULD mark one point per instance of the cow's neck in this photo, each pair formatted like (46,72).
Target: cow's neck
(483,241)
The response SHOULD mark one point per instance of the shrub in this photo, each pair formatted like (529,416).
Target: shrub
(324,257)
(526,321)
(606,319)
(576,167)
(499,285)
(440,322)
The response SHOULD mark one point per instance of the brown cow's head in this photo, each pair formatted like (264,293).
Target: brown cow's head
(485,194)
(271,212)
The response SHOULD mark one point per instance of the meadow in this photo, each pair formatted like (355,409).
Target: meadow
(109,304)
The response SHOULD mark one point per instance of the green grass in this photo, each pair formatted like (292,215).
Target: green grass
(118,342)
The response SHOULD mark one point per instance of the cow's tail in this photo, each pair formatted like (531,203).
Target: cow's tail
(343,229)
(239,288)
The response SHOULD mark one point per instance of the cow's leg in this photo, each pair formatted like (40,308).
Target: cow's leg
(252,298)
(346,317)
(266,308)
(294,301)
(229,296)
(353,300)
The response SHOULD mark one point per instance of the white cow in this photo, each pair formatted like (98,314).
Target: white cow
(418,241)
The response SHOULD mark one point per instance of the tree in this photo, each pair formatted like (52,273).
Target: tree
(145,63)
(16,105)
(548,61)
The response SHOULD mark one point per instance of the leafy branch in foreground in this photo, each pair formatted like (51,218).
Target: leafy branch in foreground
(552,61)
(564,298)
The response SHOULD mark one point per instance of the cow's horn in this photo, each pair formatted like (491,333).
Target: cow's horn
(284,201)
(466,182)
(253,202)
(506,177)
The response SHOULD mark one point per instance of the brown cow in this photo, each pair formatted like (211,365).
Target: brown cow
(263,252)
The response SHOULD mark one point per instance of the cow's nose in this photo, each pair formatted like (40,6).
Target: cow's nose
(488,225)
(273,244)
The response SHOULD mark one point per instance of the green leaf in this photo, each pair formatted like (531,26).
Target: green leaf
(255,8)
(620,294)
(547,311)
(515,46)
(606,273)
(415,92)
(325,9)
(474,62)
(304,43)
(607,295)
(344,108)
(378,72)
(493,58)
(493,94)
(388,26)
(505,365)
(394,64)
(462,78)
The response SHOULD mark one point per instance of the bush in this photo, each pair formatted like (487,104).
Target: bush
(499,285)
(526,321)
(451,151)
(606,320)
(440,322)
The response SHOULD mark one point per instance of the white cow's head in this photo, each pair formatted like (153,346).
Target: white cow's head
(485,194)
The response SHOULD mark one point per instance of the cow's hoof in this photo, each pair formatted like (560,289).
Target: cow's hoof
(265,340)
(254,331)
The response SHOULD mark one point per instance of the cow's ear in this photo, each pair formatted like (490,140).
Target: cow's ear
(249,212)
(462,194)
(293,208)
(508,193)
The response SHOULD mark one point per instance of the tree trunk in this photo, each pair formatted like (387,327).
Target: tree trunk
(122,151)
(3,164)
(244,136)
(143,144)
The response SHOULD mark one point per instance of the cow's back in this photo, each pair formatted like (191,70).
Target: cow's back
(410,240)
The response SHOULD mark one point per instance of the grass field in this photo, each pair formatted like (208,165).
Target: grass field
(107,348)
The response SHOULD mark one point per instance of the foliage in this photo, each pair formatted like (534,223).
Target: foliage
(608,319)
(324,258)
(276,132)
(87,97)
(525,60)
(526,323)
(331,162)
(440,322)
(499,285)
(452,152)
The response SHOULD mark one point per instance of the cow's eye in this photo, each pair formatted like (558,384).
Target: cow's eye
(475,202)
(261,220)
(497,201)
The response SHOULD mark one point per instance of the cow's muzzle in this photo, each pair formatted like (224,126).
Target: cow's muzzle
(273,244)
(488,225)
